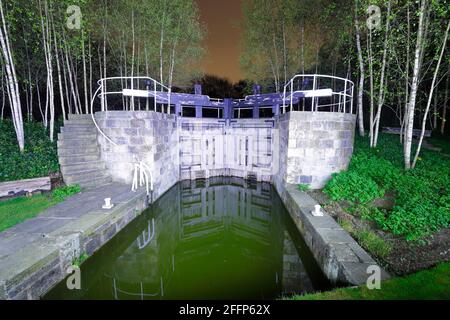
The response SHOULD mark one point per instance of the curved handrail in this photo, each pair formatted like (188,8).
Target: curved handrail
(133,78)
(317,75)
(95,122)
(343,93)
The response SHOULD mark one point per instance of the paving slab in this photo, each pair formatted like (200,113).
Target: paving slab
(35,254)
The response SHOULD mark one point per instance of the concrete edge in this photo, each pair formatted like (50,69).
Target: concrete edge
(43,264)
(339,256)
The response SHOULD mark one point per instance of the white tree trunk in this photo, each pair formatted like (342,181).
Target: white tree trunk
(12,82)
(444,107)
(132,58)
(83,53)
(430,95)
(414,85)
(408,34)
(58,67)
(70,76)
(161,43)
(361,74)
(381,93)
(371,119)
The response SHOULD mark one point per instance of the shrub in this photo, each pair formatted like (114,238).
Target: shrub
(422,195)
(353,187)
(39,158)
(61,194)
(303,187)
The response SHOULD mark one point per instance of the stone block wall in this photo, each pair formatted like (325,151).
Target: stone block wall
(145,136)
(298,147)
(313,145)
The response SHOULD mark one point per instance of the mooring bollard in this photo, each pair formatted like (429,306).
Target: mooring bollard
(317,212)
(108,204)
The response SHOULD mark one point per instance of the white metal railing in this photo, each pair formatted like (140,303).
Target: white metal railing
(132,87)
(339,89)
(142,175)
(131,91)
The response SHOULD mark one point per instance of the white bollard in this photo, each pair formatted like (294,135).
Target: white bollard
(317,212)
(108,204)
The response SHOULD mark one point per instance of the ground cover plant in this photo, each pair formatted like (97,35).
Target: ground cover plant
(421,195)
(39,158)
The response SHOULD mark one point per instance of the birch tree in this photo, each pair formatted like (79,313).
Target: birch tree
(430,95)
(12,81)
(414,85)
(361,74)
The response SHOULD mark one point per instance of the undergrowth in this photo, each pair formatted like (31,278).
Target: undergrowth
(422,194)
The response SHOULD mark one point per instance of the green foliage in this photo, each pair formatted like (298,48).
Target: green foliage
(367,239)
(373,243)
(17,210)
(20,209)
(303,187)
(61,194)
(79,261)
(39,158)
(433,284)
(421,195)
(441,142)
(353,187)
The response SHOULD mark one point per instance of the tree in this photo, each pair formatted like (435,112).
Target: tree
(430,95)
(12,81)
(415,79)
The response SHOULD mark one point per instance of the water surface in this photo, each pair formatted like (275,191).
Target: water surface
(222,238)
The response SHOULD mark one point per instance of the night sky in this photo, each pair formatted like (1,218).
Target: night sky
(222,19)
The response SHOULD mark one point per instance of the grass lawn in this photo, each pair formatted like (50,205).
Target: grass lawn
(429,284)
(17,210)
(20,209)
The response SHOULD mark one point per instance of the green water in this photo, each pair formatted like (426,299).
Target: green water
(216,239)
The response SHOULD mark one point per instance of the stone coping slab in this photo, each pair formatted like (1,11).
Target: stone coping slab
(35,255)
(20,187)
(339,256)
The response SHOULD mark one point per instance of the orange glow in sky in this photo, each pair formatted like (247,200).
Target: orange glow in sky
(222,19)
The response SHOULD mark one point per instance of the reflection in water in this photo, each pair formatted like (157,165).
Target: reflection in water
(205,239)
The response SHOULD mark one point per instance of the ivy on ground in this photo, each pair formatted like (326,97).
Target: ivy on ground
(422,195)
(39,158)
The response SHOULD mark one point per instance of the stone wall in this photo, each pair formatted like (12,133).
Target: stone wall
(313,145)
(299,147)
(141,136)
(339,256)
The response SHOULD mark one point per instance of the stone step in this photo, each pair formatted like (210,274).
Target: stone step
(74,159)
(79,116)
(68,151)
(84,176)
(80,121)
(77,136)
(79,128)
(76,144)
(94,183)
(73,169)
